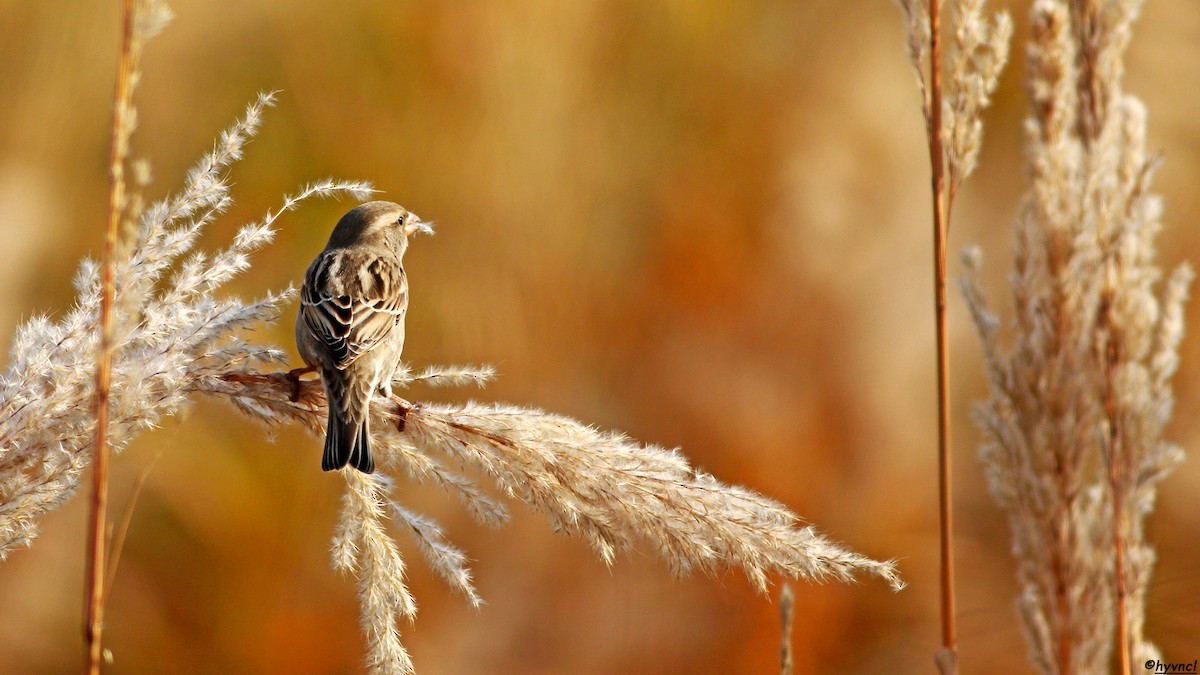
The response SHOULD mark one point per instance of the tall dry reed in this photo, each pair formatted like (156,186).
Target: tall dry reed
(1074,446)
(954,132)
(138,24)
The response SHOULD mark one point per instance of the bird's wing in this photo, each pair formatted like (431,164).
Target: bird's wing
(351,301)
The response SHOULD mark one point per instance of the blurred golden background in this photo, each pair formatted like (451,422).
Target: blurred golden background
(704,223)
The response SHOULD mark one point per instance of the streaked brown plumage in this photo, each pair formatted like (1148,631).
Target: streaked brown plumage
(351,322)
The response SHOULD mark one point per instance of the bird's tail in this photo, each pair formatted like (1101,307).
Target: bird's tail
(347,433)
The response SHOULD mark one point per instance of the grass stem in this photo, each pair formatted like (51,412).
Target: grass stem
(941,215)
(94,621)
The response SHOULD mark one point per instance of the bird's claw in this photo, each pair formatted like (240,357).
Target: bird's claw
(293,376)
(403,407)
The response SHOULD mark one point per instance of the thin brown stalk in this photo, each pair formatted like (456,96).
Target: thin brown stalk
(1119,563)
(787,612)
(974,58)
(941,213)
(1062,595)
(94,622)
(1115,455)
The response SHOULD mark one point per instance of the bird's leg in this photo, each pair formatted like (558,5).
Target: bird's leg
(293,376)
(403,407)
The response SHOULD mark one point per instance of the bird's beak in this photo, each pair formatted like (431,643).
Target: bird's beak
(417,225)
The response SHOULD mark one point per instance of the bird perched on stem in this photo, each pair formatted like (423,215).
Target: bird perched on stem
(351,322)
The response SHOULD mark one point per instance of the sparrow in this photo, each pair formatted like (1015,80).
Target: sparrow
(351,322)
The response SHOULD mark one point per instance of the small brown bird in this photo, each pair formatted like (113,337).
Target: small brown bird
(351,322)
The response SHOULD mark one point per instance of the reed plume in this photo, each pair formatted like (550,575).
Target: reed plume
(1074,446)
(602,487)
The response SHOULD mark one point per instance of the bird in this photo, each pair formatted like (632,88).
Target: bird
(350,326)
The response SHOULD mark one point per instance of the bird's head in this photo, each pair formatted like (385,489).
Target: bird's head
(387,223)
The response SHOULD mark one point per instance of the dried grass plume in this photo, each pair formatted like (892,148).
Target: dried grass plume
(1074,446)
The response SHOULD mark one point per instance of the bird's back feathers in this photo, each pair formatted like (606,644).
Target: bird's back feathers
(351,313)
